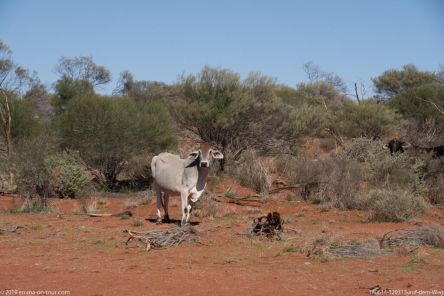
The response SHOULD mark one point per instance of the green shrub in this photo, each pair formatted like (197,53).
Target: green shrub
(32,174)
(23,119)
(418,102)
(363,149)
(68,178)
(399,170)
(107,131)
(395,205)
(370,119)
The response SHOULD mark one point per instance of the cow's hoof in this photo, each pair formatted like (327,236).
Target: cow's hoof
(159,220)
(166,219)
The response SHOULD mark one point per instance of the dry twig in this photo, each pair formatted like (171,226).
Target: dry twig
(121,214)
(158,239)
(11,229)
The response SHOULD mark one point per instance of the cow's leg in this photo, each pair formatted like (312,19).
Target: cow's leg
(166,199)
(184,199)
(188,214)
(159,204)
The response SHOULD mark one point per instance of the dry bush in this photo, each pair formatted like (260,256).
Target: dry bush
(134,202)
(299,170)
(332,180)
(205,207)
(341,184)
(363,149)
(94,204)
(250,172)
(394,205)
(435,189)
(434,182)
(7,179)
(325,248)
(327,144)
(136,172)
(431,234)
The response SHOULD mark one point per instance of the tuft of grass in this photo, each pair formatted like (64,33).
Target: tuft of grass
(97,241)
(230,194)
(286,250)
(137,201)
(205,207)
(137,223)
(38,226)
(300,214)
(125,216)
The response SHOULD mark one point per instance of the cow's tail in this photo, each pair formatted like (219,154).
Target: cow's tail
(153,167)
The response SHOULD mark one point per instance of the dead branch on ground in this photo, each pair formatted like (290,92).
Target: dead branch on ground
(269,226)
(11,229)
(121,214)
(159,239)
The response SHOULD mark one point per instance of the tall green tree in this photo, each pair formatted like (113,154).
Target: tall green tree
(78,76)
(394,82)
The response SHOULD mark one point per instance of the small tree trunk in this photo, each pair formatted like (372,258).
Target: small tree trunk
(5,116)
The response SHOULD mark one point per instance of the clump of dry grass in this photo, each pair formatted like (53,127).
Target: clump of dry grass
(250,172)
(325,248)
(205,207)
(431,234)
(94,204)
(134,202)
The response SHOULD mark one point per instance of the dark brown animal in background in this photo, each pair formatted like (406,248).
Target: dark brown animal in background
(396,146)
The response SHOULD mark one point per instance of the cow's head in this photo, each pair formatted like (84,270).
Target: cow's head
(396,146)
(204,155)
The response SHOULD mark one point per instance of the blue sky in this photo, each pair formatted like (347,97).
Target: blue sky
(158,40)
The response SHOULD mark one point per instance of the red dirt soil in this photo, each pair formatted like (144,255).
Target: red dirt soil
(87,256)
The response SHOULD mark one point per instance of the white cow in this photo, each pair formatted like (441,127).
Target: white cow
(188,177)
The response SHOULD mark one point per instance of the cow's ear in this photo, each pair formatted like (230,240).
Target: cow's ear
(193,155)
(385,147)
(217,154)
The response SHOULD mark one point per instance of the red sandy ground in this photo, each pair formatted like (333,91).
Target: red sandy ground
(87,256)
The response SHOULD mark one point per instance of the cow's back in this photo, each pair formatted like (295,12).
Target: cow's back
(167,170)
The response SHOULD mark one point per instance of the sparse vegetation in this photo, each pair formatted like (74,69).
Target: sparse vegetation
(396,205)
(251,172)
(363,149)
(398,171)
